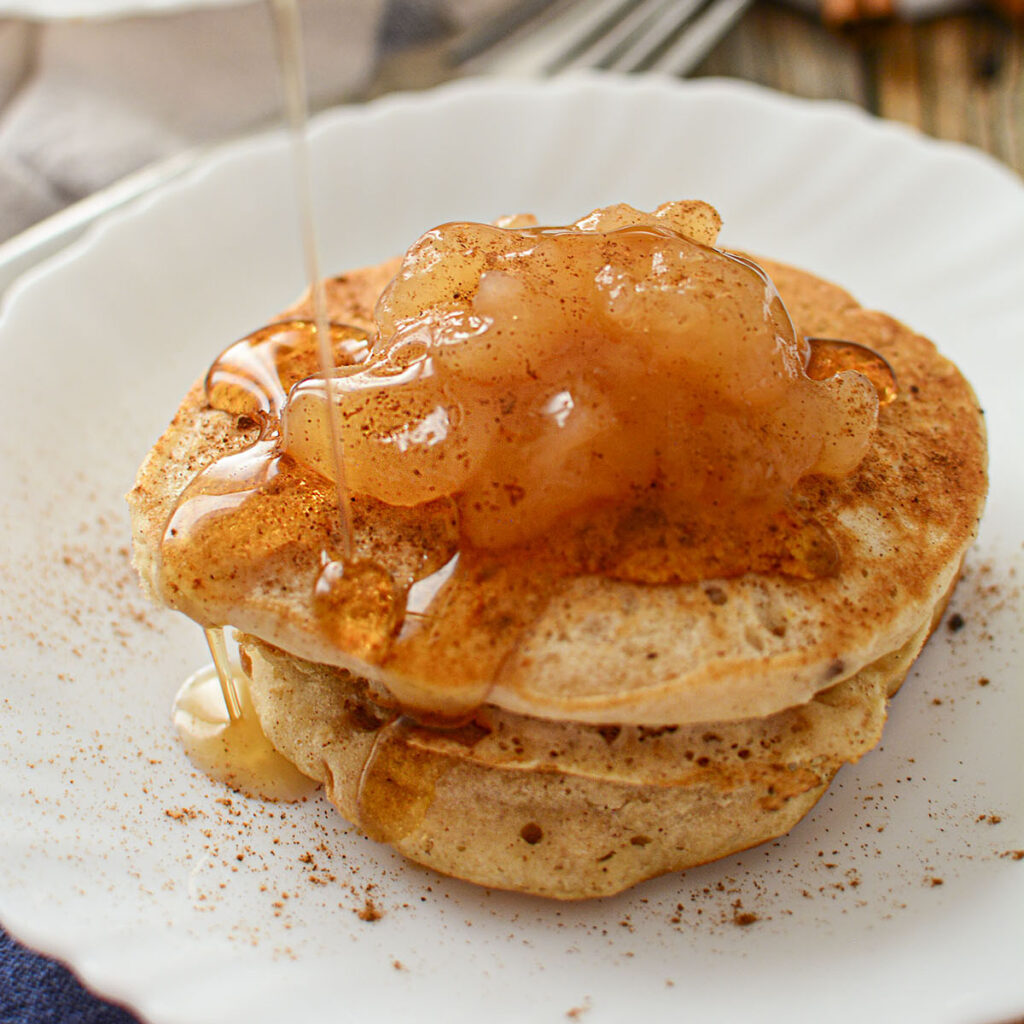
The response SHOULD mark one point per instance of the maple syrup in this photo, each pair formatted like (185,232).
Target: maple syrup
(357,604)
(288,34)
(829,356)
(253,376)
(397,783)
(231,747)
(224,673)
(347,590)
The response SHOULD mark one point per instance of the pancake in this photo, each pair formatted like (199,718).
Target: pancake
(562,809)
(594,649)
(568,729)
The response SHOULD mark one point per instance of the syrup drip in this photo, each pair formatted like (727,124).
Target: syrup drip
(400,777)
(233,749)
(219,653)
(346,591)
(397,783)
(828,356)
(253,376)
(356,603)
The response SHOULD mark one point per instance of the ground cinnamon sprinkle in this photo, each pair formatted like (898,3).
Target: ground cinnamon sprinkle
(369,912)
(228,824)
(181,813)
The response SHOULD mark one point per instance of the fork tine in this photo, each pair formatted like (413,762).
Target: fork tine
(602,50)
(698,38)
(653,38)
(495,29)
(547,47)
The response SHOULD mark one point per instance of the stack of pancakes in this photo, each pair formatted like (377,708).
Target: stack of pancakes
(632,729)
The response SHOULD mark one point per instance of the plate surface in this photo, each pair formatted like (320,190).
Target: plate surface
(898,899)
(57,10)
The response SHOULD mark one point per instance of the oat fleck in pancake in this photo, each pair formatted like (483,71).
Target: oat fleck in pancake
(613,687)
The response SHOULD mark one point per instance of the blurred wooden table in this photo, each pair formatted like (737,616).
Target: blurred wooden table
(955,77)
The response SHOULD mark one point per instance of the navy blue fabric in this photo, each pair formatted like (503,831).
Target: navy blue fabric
(37,990)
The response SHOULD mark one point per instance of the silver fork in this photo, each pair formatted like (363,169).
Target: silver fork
(539,37)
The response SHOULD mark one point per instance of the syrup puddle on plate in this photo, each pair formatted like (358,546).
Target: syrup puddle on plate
(233,750)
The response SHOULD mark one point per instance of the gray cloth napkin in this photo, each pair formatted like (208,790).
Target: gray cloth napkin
(84,103)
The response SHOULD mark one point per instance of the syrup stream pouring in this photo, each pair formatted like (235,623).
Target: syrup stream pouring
(225,676)
(288,38)
(288,34)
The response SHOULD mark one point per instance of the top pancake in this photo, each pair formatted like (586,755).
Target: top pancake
(592,649)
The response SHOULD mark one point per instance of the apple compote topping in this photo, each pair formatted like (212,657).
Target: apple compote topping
(541,375)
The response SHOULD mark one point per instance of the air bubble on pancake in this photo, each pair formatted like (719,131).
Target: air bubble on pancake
(754,639)
(531,833)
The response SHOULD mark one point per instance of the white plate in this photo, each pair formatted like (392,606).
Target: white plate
(118,858)
(63,10)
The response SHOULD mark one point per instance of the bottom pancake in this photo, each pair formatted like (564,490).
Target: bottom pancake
(561,809)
